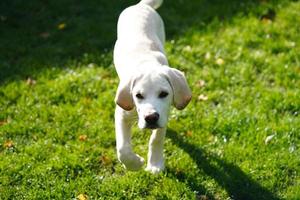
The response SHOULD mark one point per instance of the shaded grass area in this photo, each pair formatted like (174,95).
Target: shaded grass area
(90,29)
(230,177)
(58,85)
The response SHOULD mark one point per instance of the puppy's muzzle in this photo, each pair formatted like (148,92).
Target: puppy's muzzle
(152,120)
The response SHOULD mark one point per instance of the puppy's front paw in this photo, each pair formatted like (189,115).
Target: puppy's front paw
(132,161)
(155,169)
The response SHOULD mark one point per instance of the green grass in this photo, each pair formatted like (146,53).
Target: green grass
(57,86)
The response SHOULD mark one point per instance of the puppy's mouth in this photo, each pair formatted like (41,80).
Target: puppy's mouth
(152,126)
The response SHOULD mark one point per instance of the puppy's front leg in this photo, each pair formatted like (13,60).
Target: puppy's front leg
(155,153)
(123,123)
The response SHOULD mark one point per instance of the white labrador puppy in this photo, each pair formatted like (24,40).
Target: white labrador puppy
(148,86)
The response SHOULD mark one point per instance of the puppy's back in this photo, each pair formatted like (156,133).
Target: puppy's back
(153,3)
(140,21)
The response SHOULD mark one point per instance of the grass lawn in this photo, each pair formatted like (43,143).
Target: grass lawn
(239,138)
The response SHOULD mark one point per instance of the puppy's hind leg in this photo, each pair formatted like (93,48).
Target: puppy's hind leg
(123,123)
(155,153)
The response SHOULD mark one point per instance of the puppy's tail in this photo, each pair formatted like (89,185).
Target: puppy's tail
(152,3)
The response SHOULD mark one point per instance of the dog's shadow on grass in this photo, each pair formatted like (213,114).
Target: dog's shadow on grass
(229,176)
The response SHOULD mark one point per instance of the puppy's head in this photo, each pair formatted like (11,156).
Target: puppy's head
(152,92)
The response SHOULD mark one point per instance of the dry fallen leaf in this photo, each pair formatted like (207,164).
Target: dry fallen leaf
(179,172)
(8,144)
(82,197)
(269,15)
(189,134)
(83,137)
(44,35)
(105,160)
(87,101)
(200,83)
(30,81)
(207,56)
(212,139)
(266,21)
(61,26)
(3,122)
(202,97)
(220,61)
(187,48)
(202,197)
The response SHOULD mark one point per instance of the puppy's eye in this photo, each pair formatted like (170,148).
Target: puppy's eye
(139,96)
(163,94)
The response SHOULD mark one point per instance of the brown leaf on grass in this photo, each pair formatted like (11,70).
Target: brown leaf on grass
(3,122)
(105,160)
(61,26)
(211,139)
(30,81)
(86,101)
(187,48)
(200,83)
(220,61)
(44,35)
(189,133)
(266,21)
(202,197)
(8,144)
(207,56)
(179,172)
(35,137)
(82,197)
(269,16)
(83,137)
(202,97)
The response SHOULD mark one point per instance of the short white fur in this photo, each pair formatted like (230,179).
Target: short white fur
(148,86)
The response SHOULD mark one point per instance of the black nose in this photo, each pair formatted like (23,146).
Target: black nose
(152,118)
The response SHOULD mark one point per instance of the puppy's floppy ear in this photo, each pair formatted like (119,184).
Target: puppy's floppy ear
(182,93)
(123,97)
